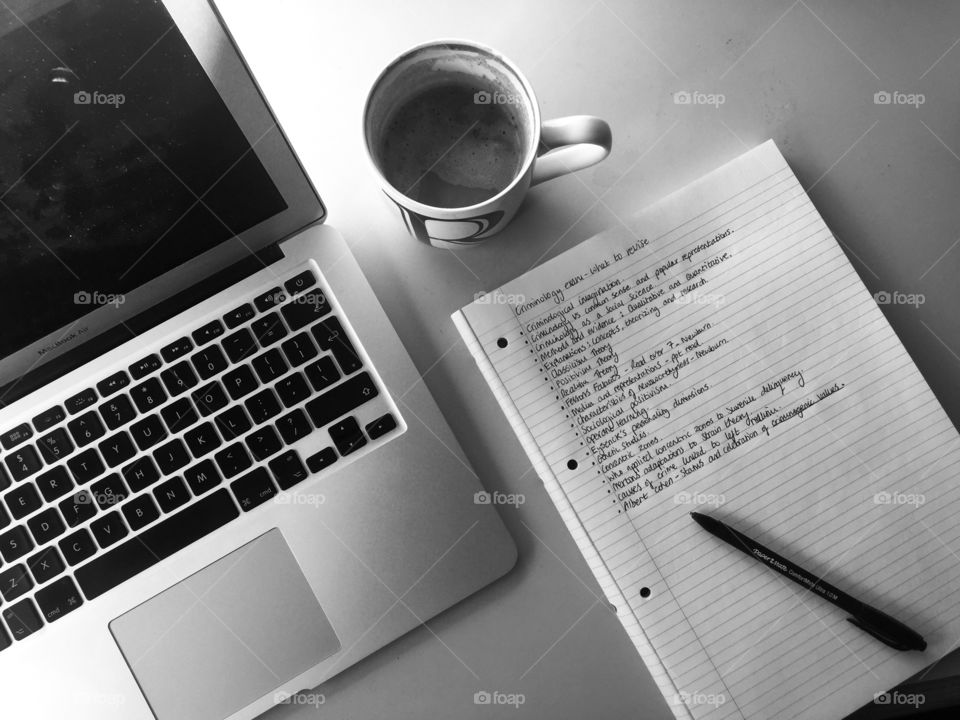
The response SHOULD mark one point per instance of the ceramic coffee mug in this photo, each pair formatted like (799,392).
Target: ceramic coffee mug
(508,152)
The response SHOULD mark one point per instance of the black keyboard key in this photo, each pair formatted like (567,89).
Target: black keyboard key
(5,640)
(148,395)
(293,389)
(144,367)
(23,500)
(46,525)
(239,316)
(11,438)
(342,399)
(4,518)
(78,508)
(239,345)
(347,436)
(45,565)
(271,298)
(117,412)
(171,457)
(109,492)
(23,463)
(178,378)
(108,529)
(318,461)
(109,385)
(171,494)
(253,489)
(381,426)
(156,543)
(240,381)
(233,423)
(54,483)
(140,512)
(287,469)
(179,415)
(86,428)
(48,418)
(208,332)
(77,547)
(262,406)
(268,329)
(202,477)
(15,543)
(233,460)
(264,442)
(299,283)
(148,432)
(177,349)
(55,445)
(299,349)
(15,581)
(210,398)
(269,365)
(117,449)
(58,599)
(322,373)
(305,309)
(202,439)
(5,481)
(81,401)
(209,362)
(140,474)
(331,336)
(293,426)
(86,466)
(22,619)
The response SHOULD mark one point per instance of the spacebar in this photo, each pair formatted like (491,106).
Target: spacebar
(156,543)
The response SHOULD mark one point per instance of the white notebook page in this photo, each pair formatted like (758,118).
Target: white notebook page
(721,354)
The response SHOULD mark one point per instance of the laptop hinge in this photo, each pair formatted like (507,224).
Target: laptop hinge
(139,324)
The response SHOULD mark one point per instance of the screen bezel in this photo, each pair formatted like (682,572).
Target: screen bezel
(203,29)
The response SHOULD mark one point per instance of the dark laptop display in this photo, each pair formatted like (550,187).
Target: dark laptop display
(110,131)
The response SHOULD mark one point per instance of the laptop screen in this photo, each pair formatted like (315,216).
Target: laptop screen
(118,160)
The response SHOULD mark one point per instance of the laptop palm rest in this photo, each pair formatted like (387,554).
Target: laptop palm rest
(227,635)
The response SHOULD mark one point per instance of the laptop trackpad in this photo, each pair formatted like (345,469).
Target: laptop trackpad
(226,635)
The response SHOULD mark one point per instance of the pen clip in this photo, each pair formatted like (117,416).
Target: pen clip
(878,634)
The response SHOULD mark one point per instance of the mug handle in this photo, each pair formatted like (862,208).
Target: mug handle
(569,144)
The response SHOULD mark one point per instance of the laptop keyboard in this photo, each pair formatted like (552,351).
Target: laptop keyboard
(152,458)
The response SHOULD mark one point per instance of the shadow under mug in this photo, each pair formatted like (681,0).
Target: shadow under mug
(552,148)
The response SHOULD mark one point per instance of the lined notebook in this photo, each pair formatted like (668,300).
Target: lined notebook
(719,353)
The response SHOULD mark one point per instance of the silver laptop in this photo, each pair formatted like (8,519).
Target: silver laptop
(222,479)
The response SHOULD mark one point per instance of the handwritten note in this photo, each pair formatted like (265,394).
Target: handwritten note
(719,353)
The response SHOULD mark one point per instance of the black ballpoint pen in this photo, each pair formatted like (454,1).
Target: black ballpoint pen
(883,627)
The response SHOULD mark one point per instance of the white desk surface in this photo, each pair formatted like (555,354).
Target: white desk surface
(885,178)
